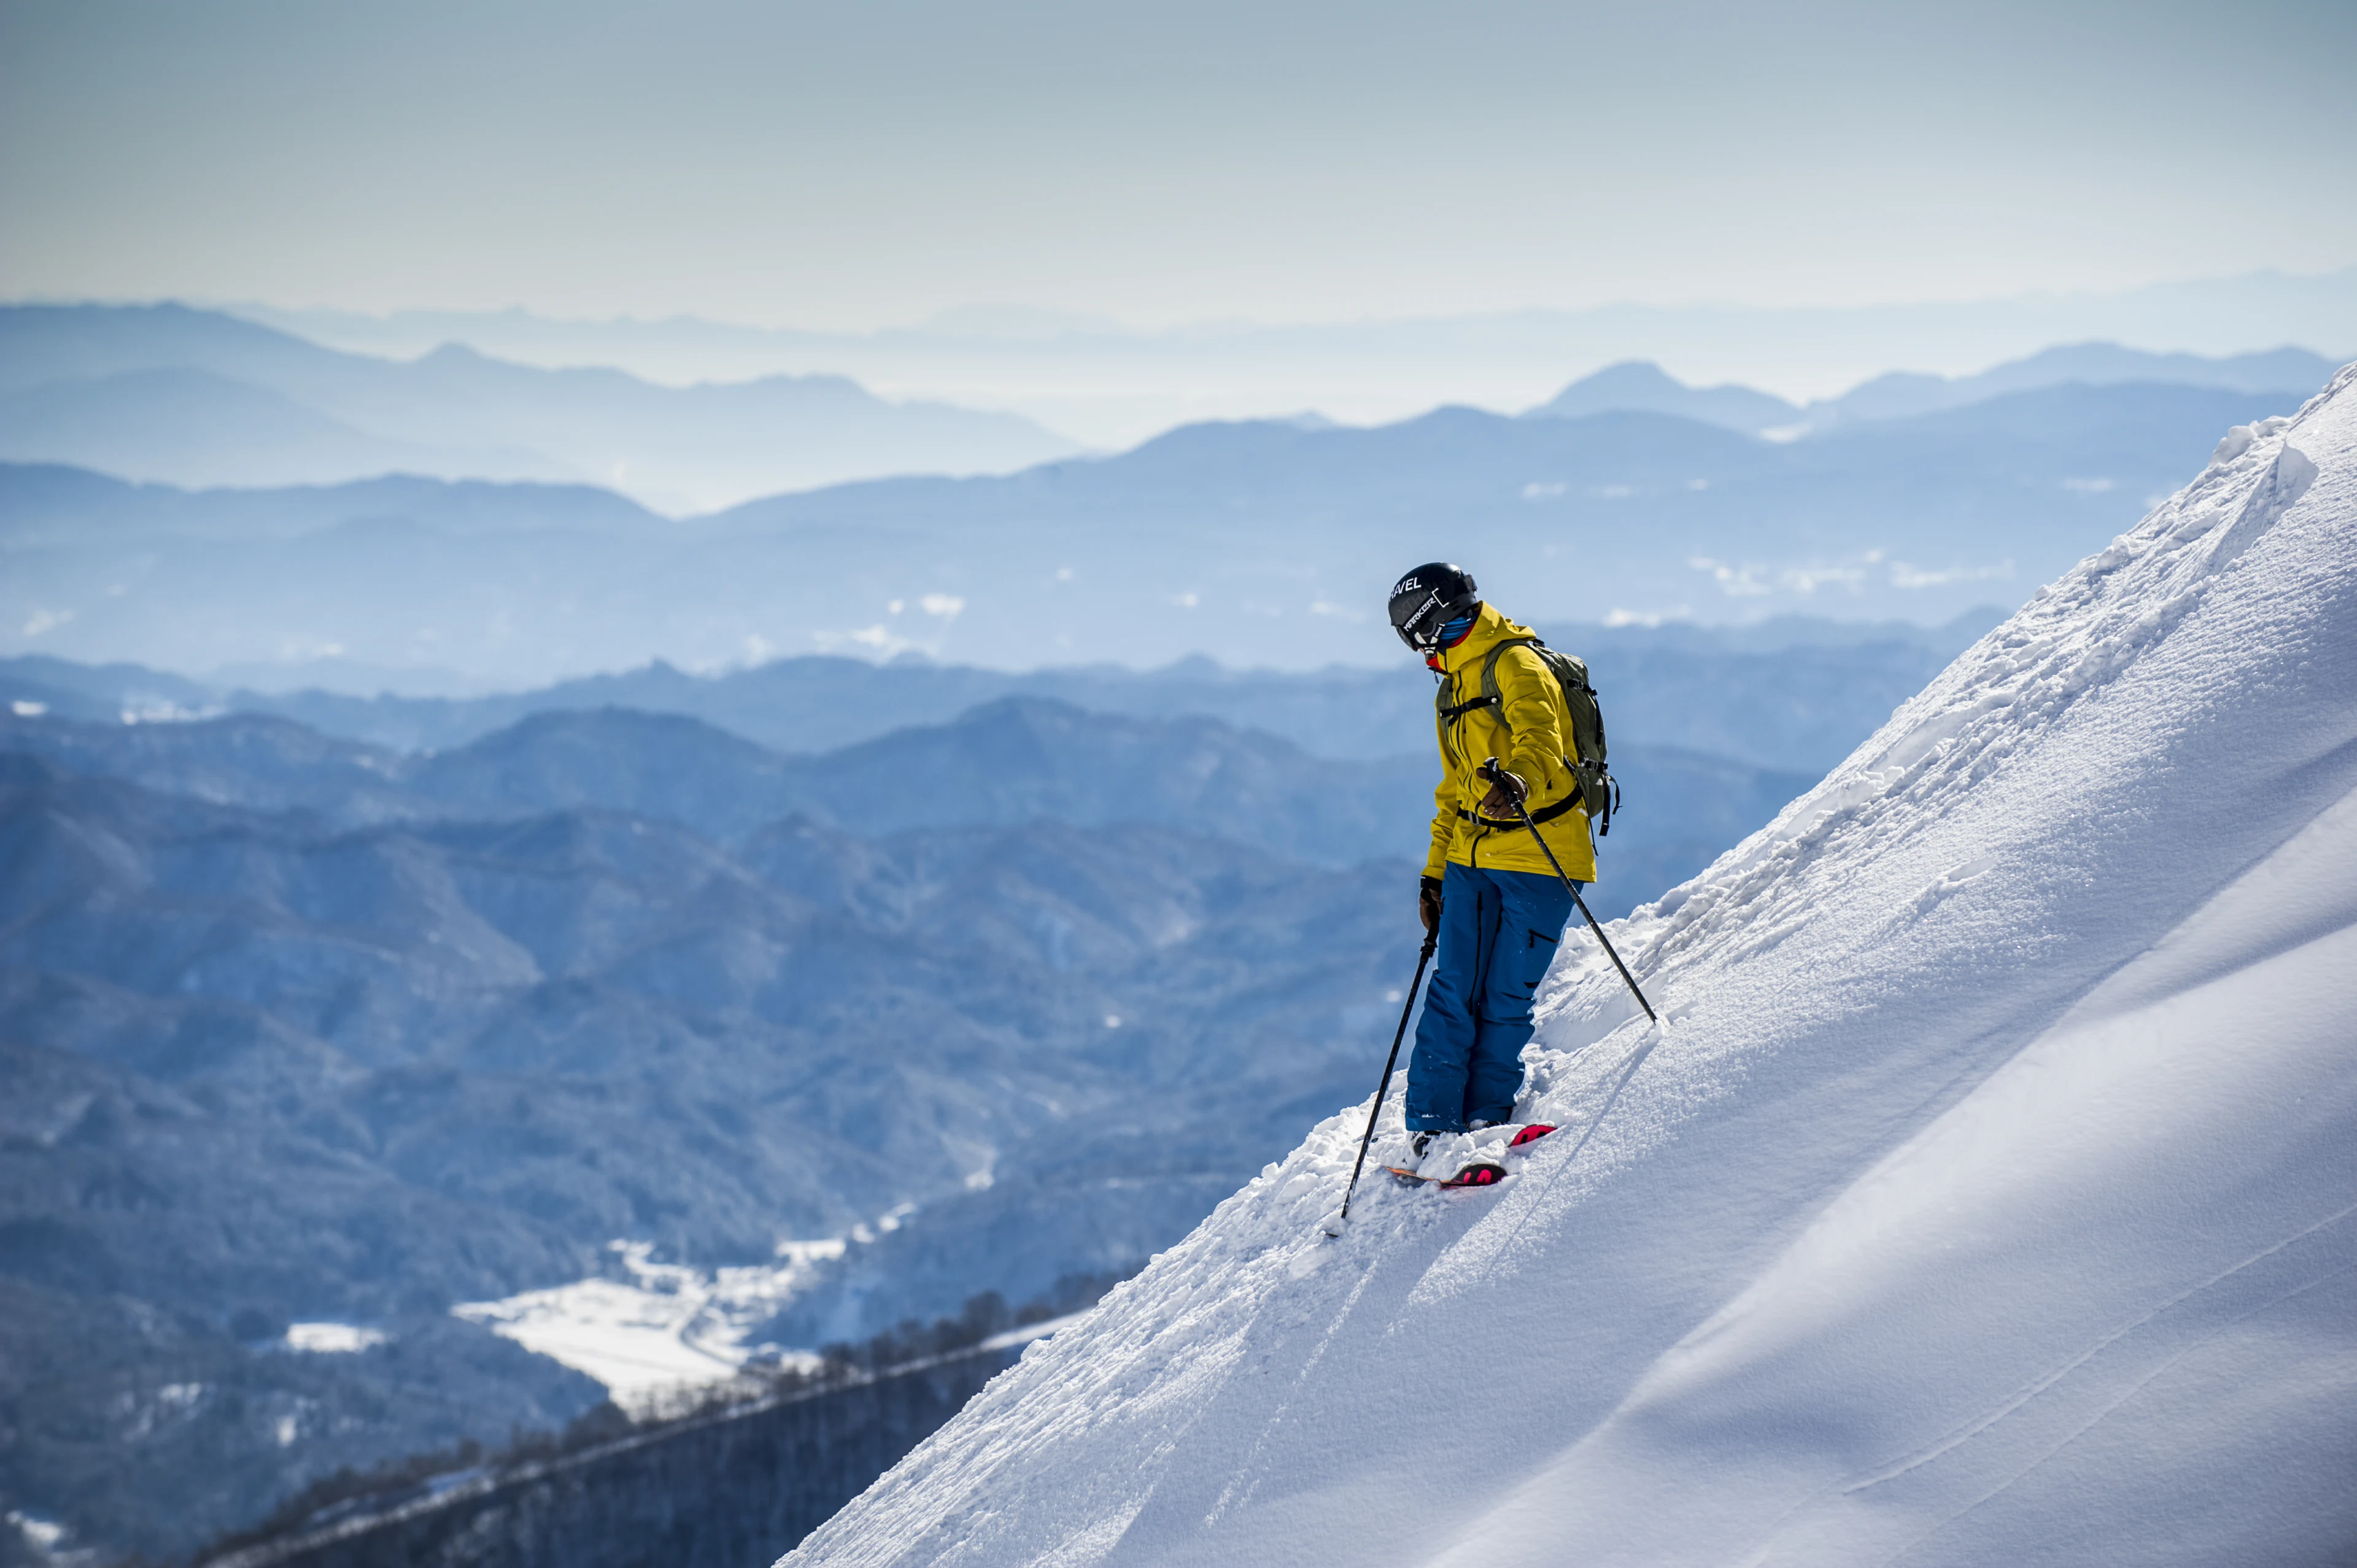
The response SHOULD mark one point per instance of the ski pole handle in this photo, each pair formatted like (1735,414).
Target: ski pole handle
(1516,791)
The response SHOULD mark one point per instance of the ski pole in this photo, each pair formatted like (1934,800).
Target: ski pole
(1431,939)
(1490,771)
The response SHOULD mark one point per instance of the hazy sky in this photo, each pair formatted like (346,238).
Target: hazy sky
(857,165)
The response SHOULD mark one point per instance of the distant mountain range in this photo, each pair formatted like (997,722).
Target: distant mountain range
(1014,761)
(197,398)
(1712,731)
(1113,386)
(1793,695)
(1640,384)
(191,397)
(1634,498)
(1261,543)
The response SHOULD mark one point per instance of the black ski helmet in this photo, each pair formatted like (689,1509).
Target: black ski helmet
(1428,599)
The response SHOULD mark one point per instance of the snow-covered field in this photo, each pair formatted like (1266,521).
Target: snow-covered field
(332,1338)
(663,1333)
(1988,1196)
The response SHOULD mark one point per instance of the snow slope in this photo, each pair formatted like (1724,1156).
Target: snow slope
(1989,1195)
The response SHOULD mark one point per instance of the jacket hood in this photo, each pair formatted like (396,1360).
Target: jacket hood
(1489,627)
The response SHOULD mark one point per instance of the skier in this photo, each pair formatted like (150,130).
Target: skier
(1497,907)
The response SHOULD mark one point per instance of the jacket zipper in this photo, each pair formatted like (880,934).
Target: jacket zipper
(1456,726)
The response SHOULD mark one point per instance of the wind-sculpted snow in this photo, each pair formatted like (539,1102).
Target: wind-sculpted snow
(1987,1195)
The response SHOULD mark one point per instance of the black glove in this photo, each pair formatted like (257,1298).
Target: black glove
(1427,902)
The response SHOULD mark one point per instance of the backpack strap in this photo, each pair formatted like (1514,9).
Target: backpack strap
(1490,696)
(1592,785)
(1490,692)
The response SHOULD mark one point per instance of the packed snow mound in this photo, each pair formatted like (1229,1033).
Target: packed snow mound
(1987,1195)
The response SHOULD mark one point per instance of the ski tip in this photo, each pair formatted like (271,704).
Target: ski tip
(1479,1173)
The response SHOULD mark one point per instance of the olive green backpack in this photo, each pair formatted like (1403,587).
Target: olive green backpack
(1599,791)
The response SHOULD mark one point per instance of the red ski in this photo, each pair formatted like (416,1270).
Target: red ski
(1480,1173)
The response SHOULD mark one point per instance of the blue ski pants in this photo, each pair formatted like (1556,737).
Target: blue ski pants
(1499,931)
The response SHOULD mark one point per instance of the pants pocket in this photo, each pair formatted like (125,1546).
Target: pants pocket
(1525,964)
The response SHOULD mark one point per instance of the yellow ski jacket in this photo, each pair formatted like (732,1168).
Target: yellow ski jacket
(1531,737)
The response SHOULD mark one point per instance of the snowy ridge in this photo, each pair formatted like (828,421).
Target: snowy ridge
(1989,1194)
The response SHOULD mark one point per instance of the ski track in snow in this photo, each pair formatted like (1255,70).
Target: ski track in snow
(1988,1194)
